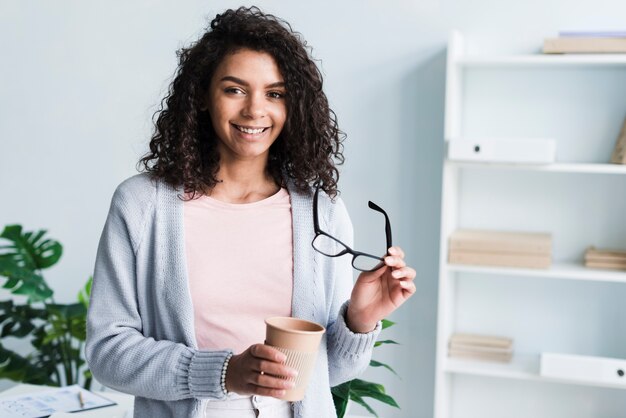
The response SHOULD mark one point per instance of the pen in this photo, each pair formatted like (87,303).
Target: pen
(81,400)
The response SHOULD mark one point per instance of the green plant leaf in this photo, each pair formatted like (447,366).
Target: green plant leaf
(85,293)
(19,369)
(375,363)
(29,249)
(18,320)
(376,391)
(341,396)
(387,323)
(379,343)
(358,399)
(67,321)
(22,281)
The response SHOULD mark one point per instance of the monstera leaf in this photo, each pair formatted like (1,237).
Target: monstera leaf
(56,331)
(29,249)
(21,259)
(18,368)
(18,320)
(67,320)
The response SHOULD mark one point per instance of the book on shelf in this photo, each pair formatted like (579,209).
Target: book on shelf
(605,259)
(584,45)
(606,265)
(619,152)
(481,258)
(475,355)
(501,241)
(480,347)
(594,252)
(481,340)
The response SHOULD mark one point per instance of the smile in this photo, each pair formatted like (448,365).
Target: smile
(252,131)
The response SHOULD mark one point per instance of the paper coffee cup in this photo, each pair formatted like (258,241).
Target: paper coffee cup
(299,340)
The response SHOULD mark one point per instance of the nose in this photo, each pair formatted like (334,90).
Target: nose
(254,107)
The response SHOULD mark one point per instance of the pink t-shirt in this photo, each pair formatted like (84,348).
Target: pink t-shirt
(240,266)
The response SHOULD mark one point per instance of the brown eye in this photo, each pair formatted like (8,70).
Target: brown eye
(233,90)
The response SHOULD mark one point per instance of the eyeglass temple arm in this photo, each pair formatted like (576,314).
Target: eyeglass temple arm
(315,221)
(377,208)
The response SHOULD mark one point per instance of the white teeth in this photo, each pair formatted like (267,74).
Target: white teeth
(250,131)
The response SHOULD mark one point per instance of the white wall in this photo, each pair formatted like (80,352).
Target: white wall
(80,80)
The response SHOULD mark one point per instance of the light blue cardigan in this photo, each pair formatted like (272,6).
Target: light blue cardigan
(140,329)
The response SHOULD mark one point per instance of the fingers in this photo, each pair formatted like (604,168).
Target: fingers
(404,273)
(394,261)
(260,371)
(269,361)
(408,286)
(264,367)
(397,251)
(266,352)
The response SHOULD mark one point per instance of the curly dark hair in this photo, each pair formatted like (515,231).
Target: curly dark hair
(183,149)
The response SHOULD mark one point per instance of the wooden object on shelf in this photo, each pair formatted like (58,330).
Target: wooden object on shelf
(619,152)
(482,258)
(584,45)
(605,259)
(462,339)
(501,249)
(501,241)
(480,347)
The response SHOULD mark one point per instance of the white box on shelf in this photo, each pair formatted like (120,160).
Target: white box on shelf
(503,150)
(583,368)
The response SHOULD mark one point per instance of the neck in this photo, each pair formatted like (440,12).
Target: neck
(243,182)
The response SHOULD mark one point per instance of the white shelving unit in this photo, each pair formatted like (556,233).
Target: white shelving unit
(580,101)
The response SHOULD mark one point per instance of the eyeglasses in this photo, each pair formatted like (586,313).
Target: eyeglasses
(332,247)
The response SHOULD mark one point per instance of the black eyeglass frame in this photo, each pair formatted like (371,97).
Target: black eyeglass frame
(347,249)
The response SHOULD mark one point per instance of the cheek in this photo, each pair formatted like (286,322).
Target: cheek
(219,113)
(281,114)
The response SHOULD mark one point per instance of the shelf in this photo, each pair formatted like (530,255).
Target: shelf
(544,60)
(567,271)
(551,168)
(521,367)
(528,96)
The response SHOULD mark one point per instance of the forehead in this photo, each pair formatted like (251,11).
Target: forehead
(249,65)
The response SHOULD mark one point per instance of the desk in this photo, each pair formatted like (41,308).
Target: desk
(123,409)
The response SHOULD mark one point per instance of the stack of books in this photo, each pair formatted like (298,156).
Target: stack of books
(586,42)
(501,249)
(605,259)
(481,347)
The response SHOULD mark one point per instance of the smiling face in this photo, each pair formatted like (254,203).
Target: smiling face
(246,101)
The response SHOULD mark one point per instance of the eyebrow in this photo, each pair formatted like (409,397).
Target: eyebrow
(245,83)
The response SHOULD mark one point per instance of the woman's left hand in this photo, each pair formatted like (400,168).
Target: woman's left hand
(378,293)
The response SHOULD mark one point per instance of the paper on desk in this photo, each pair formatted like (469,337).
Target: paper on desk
(44,403)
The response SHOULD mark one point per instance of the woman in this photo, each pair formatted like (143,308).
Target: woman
(216,236)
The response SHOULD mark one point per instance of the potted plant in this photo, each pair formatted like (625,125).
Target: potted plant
(357,390)
(55,331)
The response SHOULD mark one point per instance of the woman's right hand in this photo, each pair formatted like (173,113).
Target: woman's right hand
(255,371)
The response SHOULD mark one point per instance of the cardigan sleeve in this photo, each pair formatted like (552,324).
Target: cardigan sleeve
(117,352)
(349,353)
